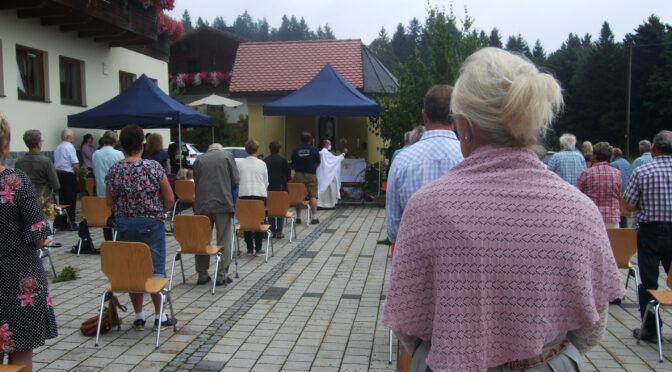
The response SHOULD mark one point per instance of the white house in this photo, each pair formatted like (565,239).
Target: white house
(61,57)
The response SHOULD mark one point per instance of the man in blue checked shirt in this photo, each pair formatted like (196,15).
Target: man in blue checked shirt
(428,159)
(568,163)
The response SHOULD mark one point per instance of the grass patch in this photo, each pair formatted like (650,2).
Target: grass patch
(68,273)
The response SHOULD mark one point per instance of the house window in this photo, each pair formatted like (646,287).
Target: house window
(71,72)
(30,79)
(125,80)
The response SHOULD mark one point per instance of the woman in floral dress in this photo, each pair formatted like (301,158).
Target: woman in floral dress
(26,313)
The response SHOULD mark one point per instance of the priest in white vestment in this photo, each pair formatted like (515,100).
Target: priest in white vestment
(329,176)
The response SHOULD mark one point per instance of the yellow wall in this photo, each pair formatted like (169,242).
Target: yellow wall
(352,132)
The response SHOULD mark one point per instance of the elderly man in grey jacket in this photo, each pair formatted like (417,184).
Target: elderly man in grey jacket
(216,174)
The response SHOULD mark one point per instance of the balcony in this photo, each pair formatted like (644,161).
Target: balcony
(115,22)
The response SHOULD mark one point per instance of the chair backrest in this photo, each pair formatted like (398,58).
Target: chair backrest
(185,190)
(95,210)
(193,233)
(278,203)
(127,265)
(297,192)
(250,214)
(623,244)
(90,183)
(624,211)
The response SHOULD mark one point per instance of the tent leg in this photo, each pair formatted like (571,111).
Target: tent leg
(213,133)
(179,144)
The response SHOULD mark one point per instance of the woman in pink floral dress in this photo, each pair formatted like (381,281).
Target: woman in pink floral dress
(26,312)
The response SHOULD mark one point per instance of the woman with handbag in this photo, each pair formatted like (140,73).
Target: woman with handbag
(26,311)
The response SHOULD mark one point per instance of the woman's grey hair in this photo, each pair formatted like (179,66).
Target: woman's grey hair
(215,146)
(663,142)
(407,138)
(32,138)
(644,146)
(568,141)
(416,133)
(506,97)
(110,138)
(65,133)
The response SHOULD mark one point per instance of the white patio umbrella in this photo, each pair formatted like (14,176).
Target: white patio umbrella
(215,100)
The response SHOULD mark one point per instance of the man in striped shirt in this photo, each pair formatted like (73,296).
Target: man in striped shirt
(649,192)
(568,163)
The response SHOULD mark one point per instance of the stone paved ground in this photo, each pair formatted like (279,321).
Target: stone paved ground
(315,306)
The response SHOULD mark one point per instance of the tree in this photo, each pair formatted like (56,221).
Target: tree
(518,44)
(201,23)
(538,54)
(382,48)
(495,38)
(219,23)
(400,46)
(244,26)
(186,21)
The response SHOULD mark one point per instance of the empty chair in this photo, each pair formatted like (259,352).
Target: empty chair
(194,234)
(278,207)
(90,186)
(624,245)
(297,196)
(128,266)
(185,191)
(96,212)
(250,215)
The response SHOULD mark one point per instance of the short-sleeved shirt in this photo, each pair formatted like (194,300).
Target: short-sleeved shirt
(624,167)
(567,164)
(644,159)
(65,156)
(160,156)
(602,184)
(650,189)
(305,158)
(136,188)
(103,160)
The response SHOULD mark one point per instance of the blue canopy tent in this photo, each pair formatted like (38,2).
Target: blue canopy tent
(144,104)
(327,94)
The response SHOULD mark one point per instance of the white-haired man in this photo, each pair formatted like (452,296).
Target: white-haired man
(568,163)
(645,151)
(67,166)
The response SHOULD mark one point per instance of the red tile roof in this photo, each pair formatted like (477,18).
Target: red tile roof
(288,65)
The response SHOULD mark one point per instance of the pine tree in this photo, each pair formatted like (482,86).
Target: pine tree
(219,23)
(186,21)
(495,40)
(201,23)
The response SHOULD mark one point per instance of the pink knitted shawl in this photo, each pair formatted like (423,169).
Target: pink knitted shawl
(495,259)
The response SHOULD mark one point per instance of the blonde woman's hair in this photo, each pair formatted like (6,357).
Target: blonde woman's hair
(506,97)
(182,174)
(154,143)
(5,137)
(586,148)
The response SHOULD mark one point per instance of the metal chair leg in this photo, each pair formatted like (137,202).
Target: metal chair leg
(659,336)
(214,282)
(646,315)
(172,313)
(100,316)
(51,262)
(389,359)
(268,244)
(172,271)
(79,246)
(158,329)
(184,279)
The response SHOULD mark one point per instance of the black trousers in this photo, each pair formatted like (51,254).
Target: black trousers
(654,246)
(67,194)
(258,237)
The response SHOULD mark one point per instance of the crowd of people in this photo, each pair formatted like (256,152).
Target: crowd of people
(501,262)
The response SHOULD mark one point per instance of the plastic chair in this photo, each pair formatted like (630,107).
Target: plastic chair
(194,233)
(624,245)
(278,205)
(250,215)
(96,212)
(660,297)
(128,267)
(297,196)
(90,185)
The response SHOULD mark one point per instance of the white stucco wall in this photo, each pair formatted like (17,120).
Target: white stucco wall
(101,83)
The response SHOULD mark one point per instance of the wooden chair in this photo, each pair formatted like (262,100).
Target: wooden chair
(660,297)
(128,267)
(184,191)
(90,186)
(194,233)
(297,196)
(10,368)
(624,245)
(278,207)
(96,212)
(250,215)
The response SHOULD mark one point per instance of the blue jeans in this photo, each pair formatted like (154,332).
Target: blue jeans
(280,221)
(145,230)
(654,246)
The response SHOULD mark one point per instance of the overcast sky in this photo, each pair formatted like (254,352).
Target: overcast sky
(550,21)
